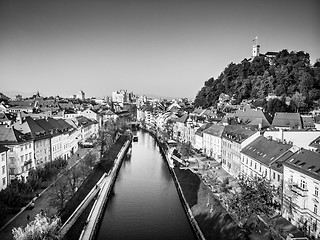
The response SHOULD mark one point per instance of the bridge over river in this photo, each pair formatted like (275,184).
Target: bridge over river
(145,203)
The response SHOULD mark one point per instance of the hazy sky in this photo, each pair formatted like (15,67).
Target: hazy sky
(166,48)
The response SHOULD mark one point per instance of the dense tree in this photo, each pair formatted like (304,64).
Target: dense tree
(256,197)
(297,101)
(276,105)
(43,227)
(286,74)
(184,149)
(60,193)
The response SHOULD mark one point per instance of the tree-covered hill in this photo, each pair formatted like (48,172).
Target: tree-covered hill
(284,75)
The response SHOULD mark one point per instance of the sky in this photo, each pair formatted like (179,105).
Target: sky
(164,48)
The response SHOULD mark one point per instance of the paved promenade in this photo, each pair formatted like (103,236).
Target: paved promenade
(41,203)
(199,164)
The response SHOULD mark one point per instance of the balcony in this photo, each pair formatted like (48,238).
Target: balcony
(300,191)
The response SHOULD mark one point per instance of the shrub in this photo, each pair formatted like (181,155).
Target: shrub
(42,227)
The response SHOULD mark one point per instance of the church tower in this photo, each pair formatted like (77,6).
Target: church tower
(255,48)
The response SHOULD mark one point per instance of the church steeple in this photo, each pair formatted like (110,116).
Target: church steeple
(255,48)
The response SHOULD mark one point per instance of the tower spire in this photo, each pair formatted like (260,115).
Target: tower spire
(256,48)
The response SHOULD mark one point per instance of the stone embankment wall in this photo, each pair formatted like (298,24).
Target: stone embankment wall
(100,191)
(98,208)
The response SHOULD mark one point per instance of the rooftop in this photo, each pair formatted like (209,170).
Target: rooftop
(305,161)
(265,150)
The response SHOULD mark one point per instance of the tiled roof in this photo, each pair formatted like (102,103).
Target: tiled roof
(308,121)
(109,112)
(278,164)
(215,130)
(305,161)
(292,120)
(198,111)
(44,124)
(203,128)
(264,150)
(238,133)
(9,135)
(3,148)
(251,115)
(183,119)
(64,124)
(315,143)
(4,118)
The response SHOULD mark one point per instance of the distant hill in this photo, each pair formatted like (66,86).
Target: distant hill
(284,75)
(13,94)
(155,96)
(3,97)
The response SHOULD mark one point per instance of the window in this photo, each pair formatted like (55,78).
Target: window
(4,181)
(250,163)
(29,145)
(25,147)
(274,175)
(2,157)
(255,165)
(314,226)
(3,170)
(315,209)
(11,149)
(29,155)
(247,161)
(21,149)
(316,191)
(21,157)
(11,160)
(26,156)
(12,171)
(303,184)
(278,177)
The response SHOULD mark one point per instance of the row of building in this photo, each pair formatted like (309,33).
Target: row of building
(284,150)
(29,143)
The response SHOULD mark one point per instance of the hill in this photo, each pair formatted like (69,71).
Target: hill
(285,74)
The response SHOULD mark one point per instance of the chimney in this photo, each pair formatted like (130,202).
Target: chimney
(281,134)
(19,118)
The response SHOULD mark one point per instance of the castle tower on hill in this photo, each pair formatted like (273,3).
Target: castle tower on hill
(81,95)
(255,48)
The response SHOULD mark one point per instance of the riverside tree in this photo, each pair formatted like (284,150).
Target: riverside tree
(256,197)
(42,227)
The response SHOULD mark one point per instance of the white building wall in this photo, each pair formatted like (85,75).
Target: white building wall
(4,172)
(18,157)
(56,147)
(306,203)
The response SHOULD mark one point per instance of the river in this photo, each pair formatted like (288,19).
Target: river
(145,203)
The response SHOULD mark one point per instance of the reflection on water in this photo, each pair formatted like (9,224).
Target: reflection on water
(145,204)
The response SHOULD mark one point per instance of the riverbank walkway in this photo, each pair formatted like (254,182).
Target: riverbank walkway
(41,203)
(211,170)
